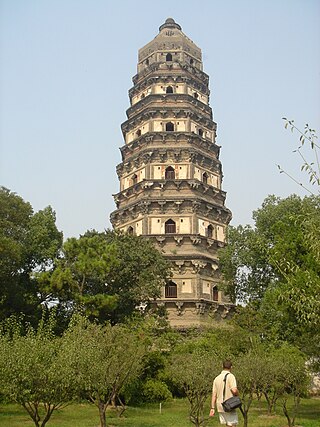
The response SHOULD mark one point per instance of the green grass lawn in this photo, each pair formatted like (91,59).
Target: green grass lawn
(174,414)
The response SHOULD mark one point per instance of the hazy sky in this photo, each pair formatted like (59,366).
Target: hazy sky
(66,68)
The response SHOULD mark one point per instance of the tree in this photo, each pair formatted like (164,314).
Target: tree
(154,383)
(105,358)
(28,243)
(79,276)
(276,372)
(249,375)
(151,386)
(155,390)
(193,368)
(244,265)
(292,379)
(275,266)
(109,274)
(34,371)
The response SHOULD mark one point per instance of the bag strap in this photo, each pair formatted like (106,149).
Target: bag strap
(224,387)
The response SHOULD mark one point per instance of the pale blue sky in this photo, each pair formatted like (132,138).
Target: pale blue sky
(66,68)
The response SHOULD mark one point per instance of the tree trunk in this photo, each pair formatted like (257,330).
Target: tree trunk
(296,404)
(268,402)
(271,401)
(49,409)
(122,408)
(32,410)
(286,413)
(102,414)
(245,417)
(197,410)
(113,402)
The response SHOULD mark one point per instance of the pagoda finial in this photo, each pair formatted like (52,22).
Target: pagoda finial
(170,23)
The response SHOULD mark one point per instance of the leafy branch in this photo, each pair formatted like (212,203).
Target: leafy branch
(312,168)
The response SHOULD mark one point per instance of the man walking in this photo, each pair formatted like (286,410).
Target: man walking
(225,383)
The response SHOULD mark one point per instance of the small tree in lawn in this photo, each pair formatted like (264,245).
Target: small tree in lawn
(271,387)
(194,372)
(251,374)
(105,358)
(293,378)
(34,372)
(260,377)
(277,363)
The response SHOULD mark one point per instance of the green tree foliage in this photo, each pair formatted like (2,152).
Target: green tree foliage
(249,378)
(292,378)
(154,384)
(43,372)
(275,372)
(108,274)
(193,368)
(28,243)
(34,371)
(105,358)
(156,391)
(244,265)
(275,267)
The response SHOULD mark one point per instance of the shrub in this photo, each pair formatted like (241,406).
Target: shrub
(156,391)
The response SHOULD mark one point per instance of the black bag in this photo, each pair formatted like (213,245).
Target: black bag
(233,402)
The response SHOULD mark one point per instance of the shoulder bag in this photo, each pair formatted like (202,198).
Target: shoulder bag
(233,402)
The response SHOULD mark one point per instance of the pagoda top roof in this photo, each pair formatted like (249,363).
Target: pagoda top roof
(170,37)
(170,23)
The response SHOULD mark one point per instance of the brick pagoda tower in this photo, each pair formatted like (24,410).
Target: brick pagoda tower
(170,175)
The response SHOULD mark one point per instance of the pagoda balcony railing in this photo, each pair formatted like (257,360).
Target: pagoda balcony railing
(174,97)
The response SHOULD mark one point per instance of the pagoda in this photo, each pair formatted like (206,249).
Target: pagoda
(170,175)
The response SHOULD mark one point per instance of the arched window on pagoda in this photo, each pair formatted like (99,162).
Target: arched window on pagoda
(200,132)
(169,57)
(170,227)
(170,173)
(195,95)
(130,230)
(169,127)
(169,89)
(134,179)
(215,293)
(205,178)
(210,231)
(138,133)
(170,290)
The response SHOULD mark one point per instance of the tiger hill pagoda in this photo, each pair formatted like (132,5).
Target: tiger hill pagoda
(170,175)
